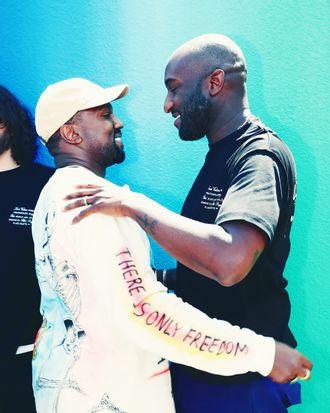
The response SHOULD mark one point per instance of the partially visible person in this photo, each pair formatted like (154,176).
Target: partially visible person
(233,238)
(21,180)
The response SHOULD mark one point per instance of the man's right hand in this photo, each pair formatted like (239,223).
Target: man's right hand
(289,364)
(108,200)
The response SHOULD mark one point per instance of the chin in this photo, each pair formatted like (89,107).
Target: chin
(120,157)
(190,131)
(190,136)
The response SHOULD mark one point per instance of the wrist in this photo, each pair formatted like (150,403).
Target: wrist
(131,204)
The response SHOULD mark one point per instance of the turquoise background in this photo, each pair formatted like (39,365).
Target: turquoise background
(286,44)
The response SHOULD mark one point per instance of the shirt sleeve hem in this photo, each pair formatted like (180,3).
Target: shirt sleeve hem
(267,355)
(250,218)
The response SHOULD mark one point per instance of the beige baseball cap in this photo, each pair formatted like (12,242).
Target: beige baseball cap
(60,101)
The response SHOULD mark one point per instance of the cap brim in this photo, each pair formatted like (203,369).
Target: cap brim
(106,96)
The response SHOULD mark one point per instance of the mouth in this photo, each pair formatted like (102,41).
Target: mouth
(118,140)
(177,121)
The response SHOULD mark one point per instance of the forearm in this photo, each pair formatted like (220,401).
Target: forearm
(183,334)
(123,290)
(205,248)
(225,253)
(178,331)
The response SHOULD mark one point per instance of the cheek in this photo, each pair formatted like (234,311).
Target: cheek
(108,129)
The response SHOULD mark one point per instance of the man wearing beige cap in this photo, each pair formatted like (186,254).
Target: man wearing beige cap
(107,322)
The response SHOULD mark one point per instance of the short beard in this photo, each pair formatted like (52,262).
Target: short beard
(120,155)
(113,156)
(4,142)
(195,116)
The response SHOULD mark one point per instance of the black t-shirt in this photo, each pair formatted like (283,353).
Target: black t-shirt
(19,294)
(250,176)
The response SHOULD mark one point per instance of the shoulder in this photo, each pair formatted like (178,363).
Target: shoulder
(37,175)
(259,139)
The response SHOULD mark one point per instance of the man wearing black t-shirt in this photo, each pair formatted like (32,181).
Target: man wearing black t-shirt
(21,181)
(232,238)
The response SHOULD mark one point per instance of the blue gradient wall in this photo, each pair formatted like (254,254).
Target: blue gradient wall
(286,44)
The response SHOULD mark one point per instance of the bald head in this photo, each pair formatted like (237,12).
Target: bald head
(206,87)
(213,51)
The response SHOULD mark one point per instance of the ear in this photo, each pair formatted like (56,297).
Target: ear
(216,81)
(69,134)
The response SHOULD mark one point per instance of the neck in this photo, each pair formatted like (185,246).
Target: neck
(226,120)
(64,160)
(7,162)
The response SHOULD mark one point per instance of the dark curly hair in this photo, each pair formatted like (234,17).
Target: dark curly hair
(20,127)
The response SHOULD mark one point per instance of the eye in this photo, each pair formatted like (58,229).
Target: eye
(107,115)
(173,89)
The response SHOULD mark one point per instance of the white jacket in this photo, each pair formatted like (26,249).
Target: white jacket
(108,324)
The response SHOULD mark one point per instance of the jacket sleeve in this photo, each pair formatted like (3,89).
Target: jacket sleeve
(114,259)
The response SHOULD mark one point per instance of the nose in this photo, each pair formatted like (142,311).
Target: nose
(168,104)
(117,123)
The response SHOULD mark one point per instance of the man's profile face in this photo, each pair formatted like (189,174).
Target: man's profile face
(4,138)
(100,130)
(185,100)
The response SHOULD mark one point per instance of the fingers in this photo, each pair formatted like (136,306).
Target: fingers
(88,186)
(303,372)
(305,376)
(307,363)
(77,204)
(85,213)
(84,201)
(92,205)
(290,365)
(83,192)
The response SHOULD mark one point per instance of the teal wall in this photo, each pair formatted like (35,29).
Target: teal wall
(286,44)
